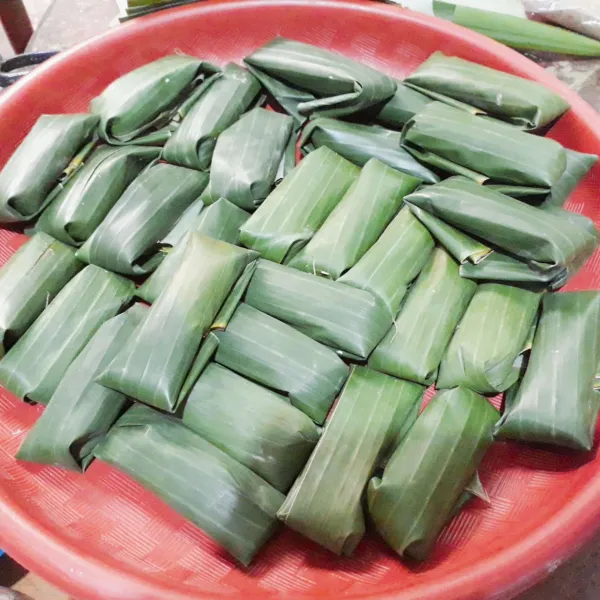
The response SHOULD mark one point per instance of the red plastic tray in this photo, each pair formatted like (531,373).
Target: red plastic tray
(101,536)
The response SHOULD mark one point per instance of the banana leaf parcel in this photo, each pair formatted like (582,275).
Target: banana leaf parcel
(493,332)
(88,196)
(557,400)
(29,281)
(456,141)
(222,104)
(338,85)
(402,106)
(247,157)
(519,101)
(257,427)
(138,106)
(325,502)
(189,474)
(128,241)
(35,365)
(276,355)
(414,346)
(153,365)
(349,320)
(81,411)
(356,222)
(427,474)
(37,165)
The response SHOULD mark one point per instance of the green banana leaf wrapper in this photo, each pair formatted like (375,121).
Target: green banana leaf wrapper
(86,199)
(356,223)
(247,157)
(349,320)
(275,355)
(35,365)
(495,150)
(482,355)
(325,502)
(339,86)
(81,411)
(427,474)
(360,143)
(129,239)
(287,220)
(39,163)
(222,104)
(394,261)
(221,221)
(557,400)
(519,101)
(152,367)
(138,106)
(252,424)
(188,473)
(29,281)
(402,106)
(414,346)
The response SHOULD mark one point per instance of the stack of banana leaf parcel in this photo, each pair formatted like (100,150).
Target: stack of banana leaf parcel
(217,319)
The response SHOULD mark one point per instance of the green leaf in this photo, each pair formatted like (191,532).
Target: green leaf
(426,475)
(324,503)
(578,166)
(35,365)
(189,473)
(401,107)
(36,166)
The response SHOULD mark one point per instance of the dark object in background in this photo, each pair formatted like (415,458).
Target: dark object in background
(16,23)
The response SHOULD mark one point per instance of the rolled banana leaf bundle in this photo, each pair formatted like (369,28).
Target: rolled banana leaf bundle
(414,346)
(189,473)
(153,365)
(360,143)
(287,220)
(557,400)
(247,157)
(427,474)
(221,221)
(86,199)
(325,502)
(311,81)
(524,103)
(29,281)
(277,356)
(138,106)
(222,104)
(402,106)
(257,427)
(81,411)
(356,222)
(35,365)
(37,165)
(128,240)
(493,332)
(351,321)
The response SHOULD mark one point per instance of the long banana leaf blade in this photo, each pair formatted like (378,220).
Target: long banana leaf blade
(252,424)
(29,281)
(426,475)
(324,503)
(556,402)
(299,205)
(492,333)
(401,107)
(81,411)
(414,346)
(188,473)
(89,195)
(153,366)
(35,365)
(351,320)
(38,163)
(222,104)
(128,240)
(276,355)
